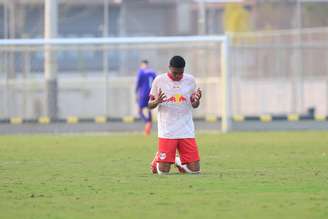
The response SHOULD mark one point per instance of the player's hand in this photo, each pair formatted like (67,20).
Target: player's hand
(161,96)
(196,95)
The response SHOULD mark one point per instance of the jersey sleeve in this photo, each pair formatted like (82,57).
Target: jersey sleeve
(154,89)
(154,74)
(193,85)
(193,89)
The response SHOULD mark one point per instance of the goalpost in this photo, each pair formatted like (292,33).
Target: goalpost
(108,63)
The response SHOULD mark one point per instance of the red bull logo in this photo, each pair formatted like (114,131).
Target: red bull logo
(178,98)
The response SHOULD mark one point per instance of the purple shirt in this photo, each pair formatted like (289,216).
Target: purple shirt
(144,80)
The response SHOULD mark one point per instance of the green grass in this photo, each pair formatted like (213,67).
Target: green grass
(244,175)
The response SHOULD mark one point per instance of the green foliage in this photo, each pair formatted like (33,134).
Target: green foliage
(244,175)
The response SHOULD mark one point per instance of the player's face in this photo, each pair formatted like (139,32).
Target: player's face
(143,65)
(176,72)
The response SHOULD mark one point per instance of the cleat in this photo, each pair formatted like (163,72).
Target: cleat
(178,165)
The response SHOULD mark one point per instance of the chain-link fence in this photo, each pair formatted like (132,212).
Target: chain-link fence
(280,73)
(273,73)
(96,77)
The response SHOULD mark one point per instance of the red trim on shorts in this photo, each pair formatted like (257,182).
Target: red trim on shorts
(187,148)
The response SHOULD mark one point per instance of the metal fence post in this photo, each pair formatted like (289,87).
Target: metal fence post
(226,86)
(50,68)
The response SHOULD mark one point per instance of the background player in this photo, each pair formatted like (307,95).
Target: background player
(175,95)
(144,80)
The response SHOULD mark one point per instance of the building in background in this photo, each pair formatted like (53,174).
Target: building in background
(97,18)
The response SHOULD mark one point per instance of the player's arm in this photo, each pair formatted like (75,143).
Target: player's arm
(195,98)
(138,84)
(155,100)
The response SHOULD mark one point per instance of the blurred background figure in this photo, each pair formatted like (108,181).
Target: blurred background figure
(144,80)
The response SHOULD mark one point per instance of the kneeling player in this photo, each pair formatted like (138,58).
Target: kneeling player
(175,95)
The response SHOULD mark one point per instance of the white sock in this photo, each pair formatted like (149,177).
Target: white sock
(158,170)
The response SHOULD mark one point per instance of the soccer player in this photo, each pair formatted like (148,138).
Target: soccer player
(175,95)
(144,81)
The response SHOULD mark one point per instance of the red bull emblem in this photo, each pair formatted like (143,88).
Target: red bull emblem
(178,98)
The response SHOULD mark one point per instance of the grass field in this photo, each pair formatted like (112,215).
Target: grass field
(244,175)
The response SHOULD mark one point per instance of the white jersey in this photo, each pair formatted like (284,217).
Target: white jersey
(175,114)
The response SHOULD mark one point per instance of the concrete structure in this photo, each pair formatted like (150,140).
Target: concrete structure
(82,18)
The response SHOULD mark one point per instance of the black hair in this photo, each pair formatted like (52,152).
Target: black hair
(145,61)
(177,62)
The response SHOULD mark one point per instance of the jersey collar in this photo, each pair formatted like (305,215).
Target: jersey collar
(169,74)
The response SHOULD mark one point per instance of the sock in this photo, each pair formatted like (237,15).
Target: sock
(158,170)
(184,166)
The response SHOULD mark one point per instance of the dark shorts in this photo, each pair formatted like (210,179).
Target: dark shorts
(143,101)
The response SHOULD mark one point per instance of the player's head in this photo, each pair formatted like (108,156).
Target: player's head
(144,64)
(177,65)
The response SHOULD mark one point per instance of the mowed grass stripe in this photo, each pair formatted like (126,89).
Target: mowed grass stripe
(244,175)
